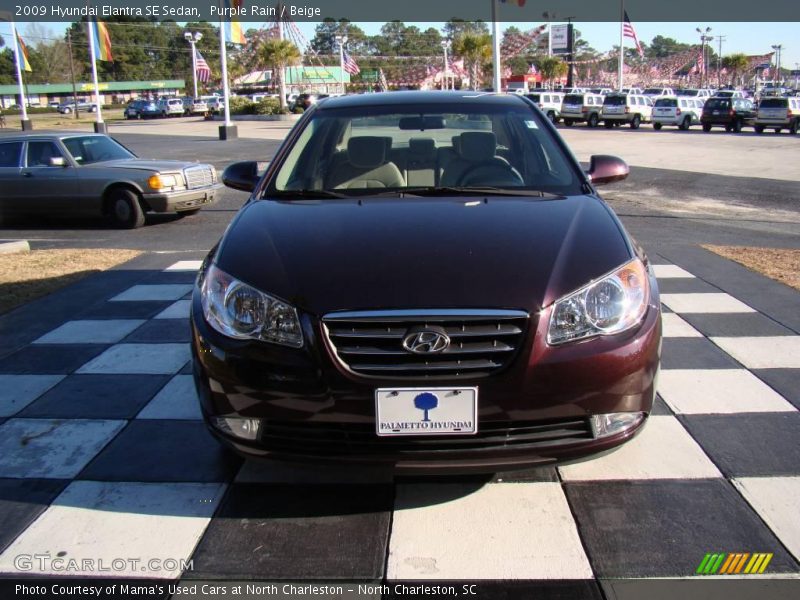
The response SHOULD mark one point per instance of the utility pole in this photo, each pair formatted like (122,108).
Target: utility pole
(720,39)
(777,48)
(72,71)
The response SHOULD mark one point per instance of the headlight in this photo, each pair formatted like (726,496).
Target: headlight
(611,304)
(159,181)
(240,311)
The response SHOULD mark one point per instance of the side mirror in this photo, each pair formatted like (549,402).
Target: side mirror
(605,169)
(58,161)
(241,176)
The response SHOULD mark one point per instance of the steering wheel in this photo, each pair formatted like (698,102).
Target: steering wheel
(494,174)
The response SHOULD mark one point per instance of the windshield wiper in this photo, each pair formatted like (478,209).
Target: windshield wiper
(308,194)
(482,190)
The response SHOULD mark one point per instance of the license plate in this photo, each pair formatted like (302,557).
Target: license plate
(426,411)
(715,112)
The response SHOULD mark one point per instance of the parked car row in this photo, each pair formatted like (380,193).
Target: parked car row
(174,107)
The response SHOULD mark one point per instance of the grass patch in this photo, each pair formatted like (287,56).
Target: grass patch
(26,276)
(780,264)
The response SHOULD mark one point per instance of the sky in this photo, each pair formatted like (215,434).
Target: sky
(749,38)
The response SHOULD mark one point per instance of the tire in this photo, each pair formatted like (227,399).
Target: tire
(608,124)
(92,109)
(124,209)
(706,127)
(794,127)
(685,124)
(593,120)
(657,126)
(67,110)
(777,130)
(637,120)
(759,128)
(552,116)
(737,126)
(568,122)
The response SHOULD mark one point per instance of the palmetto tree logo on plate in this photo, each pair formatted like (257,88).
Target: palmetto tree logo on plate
(426,402)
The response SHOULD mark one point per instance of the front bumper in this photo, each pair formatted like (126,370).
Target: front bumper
(183,200)
(536,411)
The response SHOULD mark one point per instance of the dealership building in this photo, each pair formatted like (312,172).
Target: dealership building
(112,92)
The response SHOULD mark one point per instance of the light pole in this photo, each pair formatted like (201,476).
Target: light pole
(549,17)
(341,40)
(777,48)
(704,37)
(193,38)
(445,47)
(720,39)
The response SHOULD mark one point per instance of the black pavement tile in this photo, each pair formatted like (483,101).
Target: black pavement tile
(686,286)
(21,503)
(733,325)
(97,397)
(660,407)
(50,359)
(784,381)
(163,451)
(171,277)
(187,369)
(754,444)
(664,528)
(694,353)
(162,331)
(144,309)
(297,532)
(774,299)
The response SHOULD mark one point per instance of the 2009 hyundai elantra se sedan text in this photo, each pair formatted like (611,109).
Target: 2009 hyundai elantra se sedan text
(427,280)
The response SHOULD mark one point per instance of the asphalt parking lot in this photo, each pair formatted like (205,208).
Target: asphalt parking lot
(101,438)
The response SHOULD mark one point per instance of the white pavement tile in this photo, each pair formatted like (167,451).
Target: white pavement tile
(775,500)
(500,531)
(718,391)
(670,272)
(705,303)
(90,332)
(178,310)
(185,265)
(17,391)
(663,450)
(776,352)
(172,291)
(52,448)
(156,524)
(139,359)
(674,326)
(176,400)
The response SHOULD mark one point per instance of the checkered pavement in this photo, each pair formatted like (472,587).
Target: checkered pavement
(103,455)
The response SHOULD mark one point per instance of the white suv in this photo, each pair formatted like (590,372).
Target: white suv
(778,113)
(680,111)
(170,106)
(549,103)
(633,109)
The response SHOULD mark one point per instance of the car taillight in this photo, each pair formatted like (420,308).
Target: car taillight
(731,113)
(678,111)
(789,114)
(627,109)
(584,109)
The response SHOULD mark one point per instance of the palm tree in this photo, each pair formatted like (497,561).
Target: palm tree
(736,64)
(475,49)
(551,67)
(278,54)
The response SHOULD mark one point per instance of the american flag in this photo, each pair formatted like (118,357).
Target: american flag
(629,31)
(532,69)
(350,65)
(203,70)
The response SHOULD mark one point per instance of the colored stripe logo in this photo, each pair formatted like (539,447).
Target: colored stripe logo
(734,563)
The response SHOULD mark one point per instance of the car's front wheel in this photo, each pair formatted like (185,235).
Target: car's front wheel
(794,127)
(737,126)
(759,128)
(706,127)
(685,124)
(67,110)
(637,120)
(657,126)
(124,209)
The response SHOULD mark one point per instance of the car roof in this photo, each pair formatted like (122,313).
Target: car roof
(404,98)
(25,135)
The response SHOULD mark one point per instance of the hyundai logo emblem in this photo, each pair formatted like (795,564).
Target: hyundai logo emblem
(426,340)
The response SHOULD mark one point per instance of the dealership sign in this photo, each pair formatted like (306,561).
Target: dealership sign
(560,38)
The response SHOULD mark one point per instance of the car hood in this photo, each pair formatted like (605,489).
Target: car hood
(144,164)
(514,253)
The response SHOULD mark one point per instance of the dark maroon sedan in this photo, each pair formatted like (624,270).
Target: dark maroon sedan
(427,280)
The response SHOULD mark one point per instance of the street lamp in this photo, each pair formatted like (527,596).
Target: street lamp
(777,48)
(445,47)
(341,40)
(193,38)
(704,38)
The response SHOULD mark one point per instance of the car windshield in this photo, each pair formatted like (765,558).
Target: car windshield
(91,149)
(668,102)
(687,92)
(424,149)
(614,100)
(717,103)
(653,90)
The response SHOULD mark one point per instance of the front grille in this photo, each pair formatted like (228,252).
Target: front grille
(197,177)
(370,343)
(310,438)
